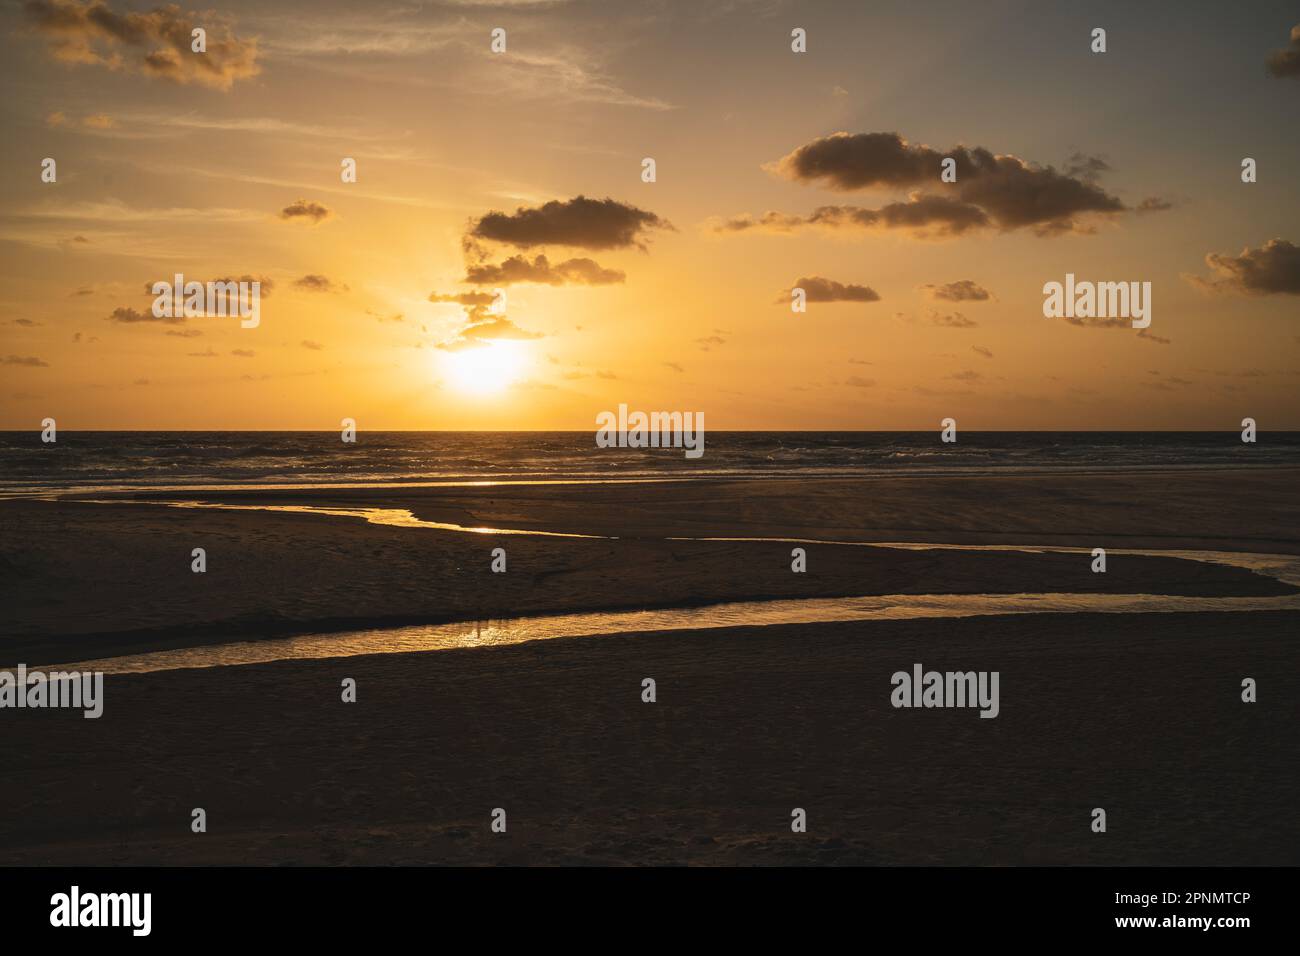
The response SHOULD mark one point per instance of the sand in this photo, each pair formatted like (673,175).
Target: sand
(1139,714)
(83,580)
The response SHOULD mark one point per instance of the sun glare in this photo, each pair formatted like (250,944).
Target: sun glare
(487,368)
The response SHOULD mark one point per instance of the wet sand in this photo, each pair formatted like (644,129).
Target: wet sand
(83,580)
(1140,715)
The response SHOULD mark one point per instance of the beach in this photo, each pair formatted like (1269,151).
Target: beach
(86,579)
(1139,714)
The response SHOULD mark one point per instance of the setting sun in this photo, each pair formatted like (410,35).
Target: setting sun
(487,368)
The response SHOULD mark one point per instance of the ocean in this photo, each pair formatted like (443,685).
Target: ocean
(104,460)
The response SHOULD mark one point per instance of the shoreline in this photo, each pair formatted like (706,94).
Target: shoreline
(82,581)
(152,492)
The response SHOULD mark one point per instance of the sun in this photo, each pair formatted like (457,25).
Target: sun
(486,369)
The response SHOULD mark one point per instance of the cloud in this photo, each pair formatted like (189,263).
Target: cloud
(817,289)
(265,285)
(29,361)
(1084,167)
(951,320)
(926,216)
(966,375)
(518,269)
(130,316)
(981,350)
(1286,62)
(1273,268)
(468,299)
(1113,322)
(318,283)
(303,210)
(98,121)
(1009,192)
(155,44)
(857,381)
(963,290)
(489,328)
(184,333)
(309,344)
(55,120)
(579,222)
(1151,337)
(1153,204)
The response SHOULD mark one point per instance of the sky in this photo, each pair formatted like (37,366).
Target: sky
(502,262)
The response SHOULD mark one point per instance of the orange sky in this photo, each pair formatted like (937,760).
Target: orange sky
(169,164)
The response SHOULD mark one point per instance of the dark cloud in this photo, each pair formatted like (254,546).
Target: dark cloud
(157,43)
(518,269)
(951,320)
(306,210)
(1151,337)
(1010,193)
(579,222)
(817,289)
(265,287)
(1286,62)
(857,381)
(1272,269)
(845,161)
(29,361)
(318,283)
(1088,168)
(309,344)
(926,216)
(963,290)
(129,316)
(1152,204)
(1092,322)
(981,350)
(184,333)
